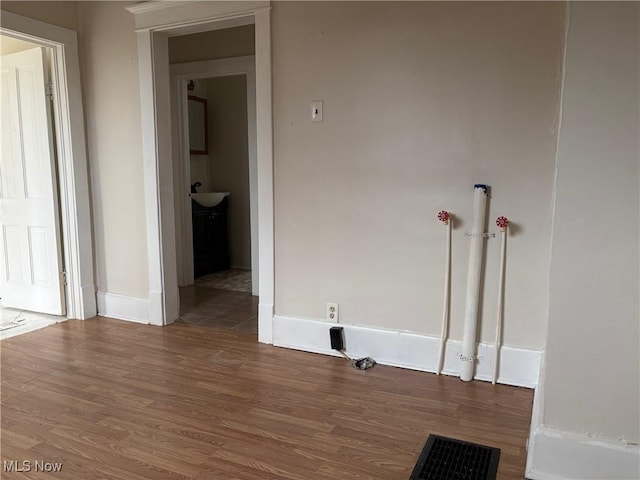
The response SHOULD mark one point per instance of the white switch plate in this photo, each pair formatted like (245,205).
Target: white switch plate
(316,111)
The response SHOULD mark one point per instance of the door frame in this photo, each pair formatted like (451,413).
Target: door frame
(181,73)
(155,23)
(71,154)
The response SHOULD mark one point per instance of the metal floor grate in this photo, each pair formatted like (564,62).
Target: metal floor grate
(448,459)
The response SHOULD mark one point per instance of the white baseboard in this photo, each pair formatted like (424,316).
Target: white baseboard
(536,415)
(557,455)
(132,309)
(519,366)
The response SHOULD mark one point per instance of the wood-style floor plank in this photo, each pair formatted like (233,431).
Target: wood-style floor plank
(118,400)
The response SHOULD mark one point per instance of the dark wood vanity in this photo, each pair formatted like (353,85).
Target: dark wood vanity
(210,238)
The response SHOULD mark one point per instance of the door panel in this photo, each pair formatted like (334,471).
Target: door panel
(30,253)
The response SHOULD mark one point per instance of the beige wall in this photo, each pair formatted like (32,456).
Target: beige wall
(63,14)
(225,43)
(229,159)
(421,101)
(112,111)
(592,371)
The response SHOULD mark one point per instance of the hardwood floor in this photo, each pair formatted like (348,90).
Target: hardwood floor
(117,400)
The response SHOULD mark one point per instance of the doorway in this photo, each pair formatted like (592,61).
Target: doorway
(69,181)
(216,197)
(226,169)
(154,25)
(31,287)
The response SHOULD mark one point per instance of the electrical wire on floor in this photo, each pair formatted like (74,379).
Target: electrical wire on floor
(364,363)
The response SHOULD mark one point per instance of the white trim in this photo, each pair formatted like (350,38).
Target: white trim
(518,366)
(145,7)
(153,30)
(180,74)
(564,455)
(181,182)
(122,307)
(72,158)
(266,322)
(187,17)
(264,145)
(153,64)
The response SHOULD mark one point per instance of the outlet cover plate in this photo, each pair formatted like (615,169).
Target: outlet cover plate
(333,313)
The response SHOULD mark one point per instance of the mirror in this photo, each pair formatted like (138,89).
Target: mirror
(198,138)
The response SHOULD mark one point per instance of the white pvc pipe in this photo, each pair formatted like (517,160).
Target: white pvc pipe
(447,291)
(502,223)
(473,283)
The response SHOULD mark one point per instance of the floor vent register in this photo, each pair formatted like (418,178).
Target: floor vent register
(448,459)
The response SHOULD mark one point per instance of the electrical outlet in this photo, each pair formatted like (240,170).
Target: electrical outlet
(332,313)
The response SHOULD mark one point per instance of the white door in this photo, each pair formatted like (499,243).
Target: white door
(30,253)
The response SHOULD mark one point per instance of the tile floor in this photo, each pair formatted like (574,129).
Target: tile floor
(232,279)
(16,322)
(218,308)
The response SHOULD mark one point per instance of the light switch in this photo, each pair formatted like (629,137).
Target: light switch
(316,111)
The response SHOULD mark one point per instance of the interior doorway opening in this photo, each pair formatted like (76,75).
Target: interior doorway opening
(215,178)
(155,25)
(220,187)
(217,131)
(70,147)
(71,175)
(32,292)
(221,170)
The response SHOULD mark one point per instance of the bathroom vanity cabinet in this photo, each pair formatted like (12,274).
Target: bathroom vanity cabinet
(210,238)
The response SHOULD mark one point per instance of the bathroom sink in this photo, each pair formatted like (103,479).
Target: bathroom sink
(210,199)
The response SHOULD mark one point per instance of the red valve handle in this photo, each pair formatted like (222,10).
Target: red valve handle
(502,223)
